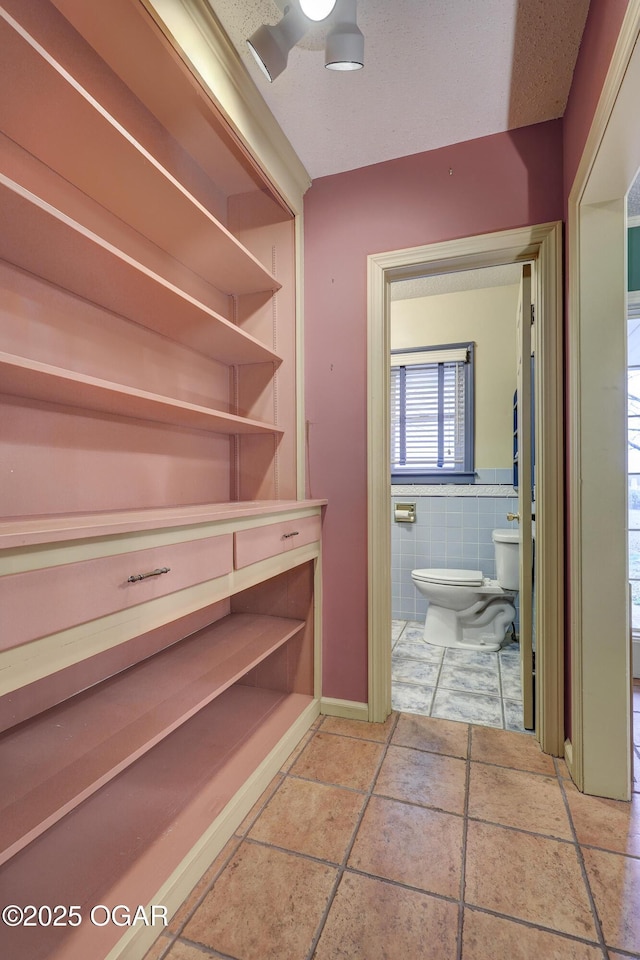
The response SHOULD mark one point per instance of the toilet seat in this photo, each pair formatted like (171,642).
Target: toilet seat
(454,578)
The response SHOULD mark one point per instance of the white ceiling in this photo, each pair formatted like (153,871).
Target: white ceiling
(436,72)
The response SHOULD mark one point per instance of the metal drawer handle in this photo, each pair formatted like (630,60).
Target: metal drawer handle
(296,533)
(143,576)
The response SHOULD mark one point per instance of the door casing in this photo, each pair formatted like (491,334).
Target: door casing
(543,246)
(599,752)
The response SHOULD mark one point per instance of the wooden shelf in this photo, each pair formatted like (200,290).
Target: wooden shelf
(120,844)
(42,381)
(52,763)
(116,170)
(46,242)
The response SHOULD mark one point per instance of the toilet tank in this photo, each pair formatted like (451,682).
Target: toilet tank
(506,544)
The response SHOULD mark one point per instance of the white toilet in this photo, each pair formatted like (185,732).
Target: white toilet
(468,610)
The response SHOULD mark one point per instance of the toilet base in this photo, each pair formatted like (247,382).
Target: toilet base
(443,629)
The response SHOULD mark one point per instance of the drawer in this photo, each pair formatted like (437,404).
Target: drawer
(41,602)
(259,543)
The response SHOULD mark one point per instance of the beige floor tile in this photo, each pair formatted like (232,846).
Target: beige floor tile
(410,844)
(344,761)
(485,937)
(531,878)
(563,769)
(611,824)
(373,920)
(159,949)
(258,805)
(519,799)
(310,818)
(266,905)
(178,920)
(423,778)
(183,951)
(295,753)
(435,736)
(615,884)
(517,750)
(359,728)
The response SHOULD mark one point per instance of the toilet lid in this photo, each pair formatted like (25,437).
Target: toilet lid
(466,578)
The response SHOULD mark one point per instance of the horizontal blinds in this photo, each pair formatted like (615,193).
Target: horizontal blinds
(428,416)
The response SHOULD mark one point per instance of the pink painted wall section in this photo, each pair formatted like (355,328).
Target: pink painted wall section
(494,183)
(599,39)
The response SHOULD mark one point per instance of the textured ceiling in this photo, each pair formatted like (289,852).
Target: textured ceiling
(456,282)
(436,72)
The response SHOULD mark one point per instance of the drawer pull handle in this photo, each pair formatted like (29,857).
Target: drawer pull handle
(296,533)
(143,576)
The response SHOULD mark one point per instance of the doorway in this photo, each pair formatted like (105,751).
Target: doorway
(455,342)
(541,245)
(600,748)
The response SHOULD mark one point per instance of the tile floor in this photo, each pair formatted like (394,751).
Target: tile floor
(474,687)
(419,839)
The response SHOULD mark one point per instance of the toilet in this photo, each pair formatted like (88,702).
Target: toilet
(468,610)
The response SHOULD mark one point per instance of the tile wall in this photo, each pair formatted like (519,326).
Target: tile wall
(452,529)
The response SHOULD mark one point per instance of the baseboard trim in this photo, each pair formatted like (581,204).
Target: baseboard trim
(347,709)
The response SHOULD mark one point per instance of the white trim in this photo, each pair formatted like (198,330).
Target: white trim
(541,244)
(601,753)
(193,28)
(635,658)
(347,709)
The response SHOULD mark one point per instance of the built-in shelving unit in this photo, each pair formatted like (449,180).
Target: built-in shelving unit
(148,394)
(149,198)
(42,381)
(48,243)
(69,752)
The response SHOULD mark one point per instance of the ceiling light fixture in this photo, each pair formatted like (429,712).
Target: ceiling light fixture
(345,43)
(344,50)
(270,45)
(317,9)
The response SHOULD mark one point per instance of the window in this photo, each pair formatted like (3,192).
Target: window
(432,414)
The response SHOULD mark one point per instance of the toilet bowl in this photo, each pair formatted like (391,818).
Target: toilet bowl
(469,610)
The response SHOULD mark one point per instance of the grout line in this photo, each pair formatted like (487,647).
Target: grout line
(583,869)
(529,924)
(502,709)
(206,952)
(465,828)
(343,864)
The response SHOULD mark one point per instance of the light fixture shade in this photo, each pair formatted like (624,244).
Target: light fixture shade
(317,9)
(344,49)
(270,45)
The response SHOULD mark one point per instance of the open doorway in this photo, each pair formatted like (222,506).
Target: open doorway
(541,245)
(633,408)
(600,750)
(449,414)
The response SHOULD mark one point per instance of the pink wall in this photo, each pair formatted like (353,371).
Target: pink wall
(496,183)
(598,41)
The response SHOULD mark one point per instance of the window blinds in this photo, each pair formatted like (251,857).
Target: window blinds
(428,411)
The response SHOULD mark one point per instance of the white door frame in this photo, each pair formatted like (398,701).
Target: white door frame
(600,751)
(542,245)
